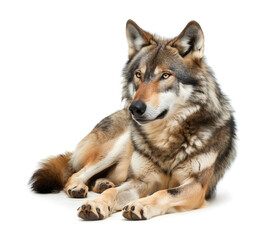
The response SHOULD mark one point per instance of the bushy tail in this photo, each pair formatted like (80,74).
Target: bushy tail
(52,175)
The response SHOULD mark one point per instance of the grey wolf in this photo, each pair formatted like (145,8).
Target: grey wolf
(169,146)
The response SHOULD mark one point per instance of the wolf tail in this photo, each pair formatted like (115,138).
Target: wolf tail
(52,175)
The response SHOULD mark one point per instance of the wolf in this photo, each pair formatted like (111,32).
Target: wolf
(166,150)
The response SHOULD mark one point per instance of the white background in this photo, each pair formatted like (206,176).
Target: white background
(60,73)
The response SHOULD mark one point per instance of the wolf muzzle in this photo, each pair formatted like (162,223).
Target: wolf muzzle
(137,108)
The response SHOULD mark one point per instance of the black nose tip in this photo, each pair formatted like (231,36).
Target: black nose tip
(137,108)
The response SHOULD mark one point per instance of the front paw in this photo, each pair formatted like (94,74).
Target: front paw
(94,210)
(135,211)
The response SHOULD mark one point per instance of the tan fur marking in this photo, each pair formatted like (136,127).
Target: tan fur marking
(148,93)
(120,172)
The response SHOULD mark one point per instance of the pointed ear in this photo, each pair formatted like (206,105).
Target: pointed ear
(136,38)
(190,42)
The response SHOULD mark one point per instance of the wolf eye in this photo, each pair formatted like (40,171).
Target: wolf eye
(165,75)
(138,75)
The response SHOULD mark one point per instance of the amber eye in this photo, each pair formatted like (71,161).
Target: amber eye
(165,75)
(138,75)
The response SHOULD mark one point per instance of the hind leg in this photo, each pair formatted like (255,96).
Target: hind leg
(116,153)
(76,184)
(107,145)
(97,161)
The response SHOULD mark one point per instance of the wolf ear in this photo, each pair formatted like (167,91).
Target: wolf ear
(136,38)
(190,42)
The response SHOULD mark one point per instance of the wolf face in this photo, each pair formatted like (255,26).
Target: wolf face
(169,76)
(158,78)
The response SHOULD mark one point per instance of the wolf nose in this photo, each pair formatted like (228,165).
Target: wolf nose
(137,108)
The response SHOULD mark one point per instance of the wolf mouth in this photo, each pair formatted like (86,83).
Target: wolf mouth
(144,121)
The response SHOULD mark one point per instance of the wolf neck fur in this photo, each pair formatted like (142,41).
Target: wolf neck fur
(165,141)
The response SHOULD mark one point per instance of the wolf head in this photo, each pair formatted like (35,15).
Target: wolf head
(166,77)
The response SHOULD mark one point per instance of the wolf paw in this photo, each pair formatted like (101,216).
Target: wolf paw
(77,190)
(94,210)
(101,185)
(105,185)
(134,211)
